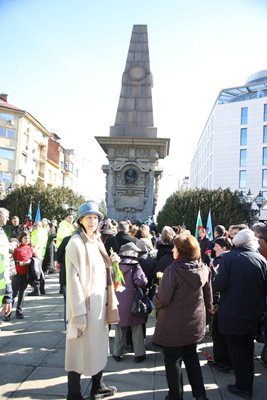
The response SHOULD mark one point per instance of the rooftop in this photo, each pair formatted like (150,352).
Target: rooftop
(255,87)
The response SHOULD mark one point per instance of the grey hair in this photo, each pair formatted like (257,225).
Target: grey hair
(4,211)
(260,228)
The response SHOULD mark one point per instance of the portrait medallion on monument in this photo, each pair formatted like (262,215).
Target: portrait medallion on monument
(130,176)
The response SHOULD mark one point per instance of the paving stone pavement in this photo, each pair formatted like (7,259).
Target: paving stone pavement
(32,360)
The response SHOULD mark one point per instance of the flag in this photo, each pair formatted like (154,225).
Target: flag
(209,227)
(199,224)
(28,223)
(38,214)
(29,215)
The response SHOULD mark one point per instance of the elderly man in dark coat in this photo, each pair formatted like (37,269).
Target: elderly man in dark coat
(242,282)
(121,238)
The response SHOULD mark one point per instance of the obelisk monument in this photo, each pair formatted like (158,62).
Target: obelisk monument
(133,149)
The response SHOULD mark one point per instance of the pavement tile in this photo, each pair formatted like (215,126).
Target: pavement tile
(11,378)
(36,339)
(32,351)
(26,356)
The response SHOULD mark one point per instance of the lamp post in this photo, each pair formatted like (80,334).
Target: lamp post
(249,199)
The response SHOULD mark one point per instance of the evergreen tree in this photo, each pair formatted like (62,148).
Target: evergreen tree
(182,208)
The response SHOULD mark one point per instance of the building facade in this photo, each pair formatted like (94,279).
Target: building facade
(232,149)
(29,153)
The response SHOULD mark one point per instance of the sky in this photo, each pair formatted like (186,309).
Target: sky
(63,60)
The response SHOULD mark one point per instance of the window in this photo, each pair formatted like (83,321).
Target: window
(24,159)
(265,134)
(242,179)
(264,195)
(243,158)
(7,154)
(6,177)
(264,177)
(7,117)
(265,113)
(244,115)
(264,156)
(7,133)
(243,136)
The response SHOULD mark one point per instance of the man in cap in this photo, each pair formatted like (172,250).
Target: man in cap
(65,227)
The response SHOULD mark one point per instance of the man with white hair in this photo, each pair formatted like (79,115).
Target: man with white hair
(5,283)
(242,282)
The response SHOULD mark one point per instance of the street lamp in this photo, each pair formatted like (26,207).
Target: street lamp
(249,199)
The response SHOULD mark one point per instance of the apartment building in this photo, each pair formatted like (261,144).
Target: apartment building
(29,152)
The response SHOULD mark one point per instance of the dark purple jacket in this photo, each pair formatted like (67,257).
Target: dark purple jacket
(133,275)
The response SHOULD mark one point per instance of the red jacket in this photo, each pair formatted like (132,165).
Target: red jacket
(23,252)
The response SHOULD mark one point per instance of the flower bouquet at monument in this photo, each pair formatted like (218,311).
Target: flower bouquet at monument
(118,276)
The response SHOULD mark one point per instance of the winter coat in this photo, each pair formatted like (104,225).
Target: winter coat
(115,242)
(163,263)
(24,253)
(204,244)
(133,275)
(87,269)
(50,254)
(64,229)
(13,231)
(242,281)
(148,264)
(39,237)
(183,299)
(61,252)
(164,248)
(35,272)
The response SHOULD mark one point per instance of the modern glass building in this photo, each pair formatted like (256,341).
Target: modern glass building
(232,149)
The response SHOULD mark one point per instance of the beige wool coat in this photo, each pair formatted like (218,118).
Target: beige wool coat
(87,269)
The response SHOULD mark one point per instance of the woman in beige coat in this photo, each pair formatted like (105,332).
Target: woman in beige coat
(88,304)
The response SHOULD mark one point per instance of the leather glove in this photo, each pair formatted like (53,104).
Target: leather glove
(80,322)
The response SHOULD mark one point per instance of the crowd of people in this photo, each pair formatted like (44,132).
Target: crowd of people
(196,285)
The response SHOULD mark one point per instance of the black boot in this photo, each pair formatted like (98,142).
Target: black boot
(36,288)
(74,386)
(42,287)
(99,390)
(35,292)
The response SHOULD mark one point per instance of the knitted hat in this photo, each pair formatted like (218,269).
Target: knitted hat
(129,250)
(245,238)
(87,209)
